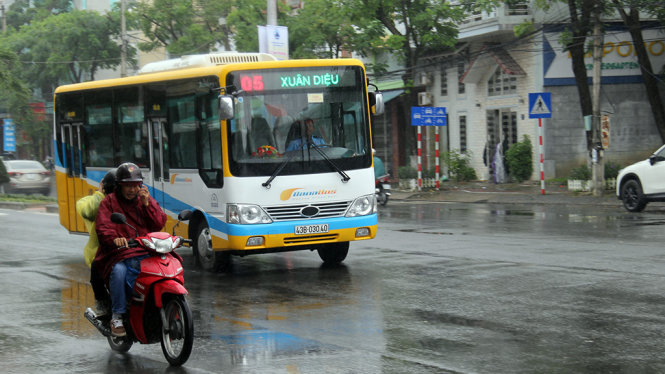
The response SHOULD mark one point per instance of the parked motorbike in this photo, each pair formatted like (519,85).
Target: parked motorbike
(158,310)
(382,189)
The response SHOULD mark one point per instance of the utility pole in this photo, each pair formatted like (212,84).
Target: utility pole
(271,7)
(4,18)
(123,36)
(597,164)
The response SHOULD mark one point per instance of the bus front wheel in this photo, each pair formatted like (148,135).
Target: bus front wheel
(205,256)
(333,253)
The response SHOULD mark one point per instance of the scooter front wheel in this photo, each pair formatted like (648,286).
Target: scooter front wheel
(177,330)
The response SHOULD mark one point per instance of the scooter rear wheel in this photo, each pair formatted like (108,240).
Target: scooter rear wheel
(178,335)
(120,343)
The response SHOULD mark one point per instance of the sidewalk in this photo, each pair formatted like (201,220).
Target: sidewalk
(509,193)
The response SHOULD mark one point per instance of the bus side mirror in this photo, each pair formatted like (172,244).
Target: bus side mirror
(376,100)
(226,107)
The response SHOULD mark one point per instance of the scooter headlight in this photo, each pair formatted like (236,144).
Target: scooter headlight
(159,245)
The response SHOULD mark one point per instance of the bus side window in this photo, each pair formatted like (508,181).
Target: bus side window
(210,147)
(131,128)
(182,140)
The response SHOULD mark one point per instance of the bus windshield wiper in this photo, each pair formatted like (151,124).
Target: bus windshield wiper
(275,173)
(310,145)
(345,177)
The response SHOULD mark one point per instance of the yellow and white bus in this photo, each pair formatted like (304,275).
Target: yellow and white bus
(211,133)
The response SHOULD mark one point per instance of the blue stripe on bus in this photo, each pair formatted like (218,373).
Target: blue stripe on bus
(276,228)
(176,206)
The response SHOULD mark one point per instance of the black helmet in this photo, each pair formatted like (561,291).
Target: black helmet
(128,172)
(108,182)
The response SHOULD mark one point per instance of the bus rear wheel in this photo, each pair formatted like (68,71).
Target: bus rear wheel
(205,256)
(334,253)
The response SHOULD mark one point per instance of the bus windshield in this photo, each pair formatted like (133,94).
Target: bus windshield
(281,115)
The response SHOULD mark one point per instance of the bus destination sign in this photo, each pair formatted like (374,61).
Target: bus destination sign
(260,80)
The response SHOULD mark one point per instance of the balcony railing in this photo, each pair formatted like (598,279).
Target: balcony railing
(516,9)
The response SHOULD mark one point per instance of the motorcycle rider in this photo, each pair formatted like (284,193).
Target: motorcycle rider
(379,168)
(87,207)
(114,258)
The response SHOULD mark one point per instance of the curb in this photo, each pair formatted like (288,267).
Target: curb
(505,197)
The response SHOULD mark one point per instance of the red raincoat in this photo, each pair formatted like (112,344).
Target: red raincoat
(144,218)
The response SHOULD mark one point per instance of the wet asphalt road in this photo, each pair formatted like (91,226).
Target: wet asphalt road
(470,288)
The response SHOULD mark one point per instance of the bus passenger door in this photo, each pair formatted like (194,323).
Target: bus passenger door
(72,184)
(159,159)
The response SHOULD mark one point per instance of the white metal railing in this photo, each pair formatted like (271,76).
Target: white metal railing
(518,9)
(581,185)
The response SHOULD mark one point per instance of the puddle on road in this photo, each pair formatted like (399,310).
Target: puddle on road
(273,343)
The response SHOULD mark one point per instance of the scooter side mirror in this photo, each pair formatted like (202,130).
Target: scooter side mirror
(185,215)
(118,218)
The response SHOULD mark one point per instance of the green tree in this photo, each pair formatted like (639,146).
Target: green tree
(183,26)
(409,29)
(630,14)
(65,48)
(24,12)
(320,30)
(15,96)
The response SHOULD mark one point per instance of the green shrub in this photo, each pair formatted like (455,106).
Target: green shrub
(429,173)
(406,172)
(519,160)
(611,169)
(458,166)
(4,178)
(580,173)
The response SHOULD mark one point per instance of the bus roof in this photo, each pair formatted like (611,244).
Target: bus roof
(191,72)
(212,59)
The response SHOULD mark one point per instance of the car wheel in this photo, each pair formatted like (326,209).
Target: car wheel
(632,196)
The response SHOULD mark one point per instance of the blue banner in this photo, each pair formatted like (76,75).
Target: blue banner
(9,144)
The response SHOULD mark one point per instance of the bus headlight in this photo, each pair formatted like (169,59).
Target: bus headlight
(362,206)
(246,214)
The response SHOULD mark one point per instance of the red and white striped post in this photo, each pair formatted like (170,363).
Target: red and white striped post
(436,155)
(542,169)
(420,159)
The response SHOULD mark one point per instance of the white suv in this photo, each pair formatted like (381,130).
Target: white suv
(642,182)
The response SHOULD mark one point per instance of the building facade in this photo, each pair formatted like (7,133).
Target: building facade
(485,85)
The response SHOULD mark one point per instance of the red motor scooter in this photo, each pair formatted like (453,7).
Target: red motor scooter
(158,310)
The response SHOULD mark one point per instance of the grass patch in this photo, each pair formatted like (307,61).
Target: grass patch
(27,198)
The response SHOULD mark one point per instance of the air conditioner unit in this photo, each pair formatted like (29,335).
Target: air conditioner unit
(424,79)
(424,98)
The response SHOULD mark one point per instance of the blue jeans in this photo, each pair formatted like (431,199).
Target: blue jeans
(121,282)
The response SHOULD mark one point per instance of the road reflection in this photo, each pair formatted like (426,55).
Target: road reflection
(269,307)
(513,218)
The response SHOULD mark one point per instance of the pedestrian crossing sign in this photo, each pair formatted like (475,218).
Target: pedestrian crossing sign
(540,105)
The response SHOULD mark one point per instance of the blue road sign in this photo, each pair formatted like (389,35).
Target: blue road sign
(428,116)
(540,105)
(9,144)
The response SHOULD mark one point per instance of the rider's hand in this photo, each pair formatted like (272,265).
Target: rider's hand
(144,195)
(120,242)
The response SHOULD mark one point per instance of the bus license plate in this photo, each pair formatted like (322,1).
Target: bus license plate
(311,229)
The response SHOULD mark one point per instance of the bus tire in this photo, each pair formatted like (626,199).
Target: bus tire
(334,253)
(205,256)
